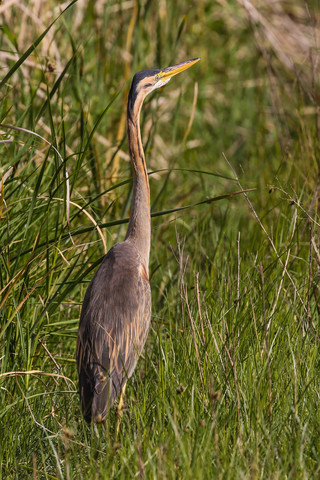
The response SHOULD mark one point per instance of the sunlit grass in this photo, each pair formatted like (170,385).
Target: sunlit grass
(228,384)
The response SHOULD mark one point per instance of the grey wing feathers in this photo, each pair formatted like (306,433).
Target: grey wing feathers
(114,324)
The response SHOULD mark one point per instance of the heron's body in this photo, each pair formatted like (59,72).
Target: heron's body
(115,316)
(113,329)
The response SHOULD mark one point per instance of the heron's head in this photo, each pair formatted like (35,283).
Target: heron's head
(146,81)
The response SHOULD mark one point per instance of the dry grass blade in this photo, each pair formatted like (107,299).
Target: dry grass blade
(92,220)
(36,372)
(5,176)
(194,104)
(194,333)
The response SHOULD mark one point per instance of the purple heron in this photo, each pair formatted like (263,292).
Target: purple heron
(116,310)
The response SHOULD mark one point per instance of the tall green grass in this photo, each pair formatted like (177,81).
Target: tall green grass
(228,385)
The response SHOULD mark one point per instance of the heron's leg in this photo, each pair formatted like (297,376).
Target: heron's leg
(120,408)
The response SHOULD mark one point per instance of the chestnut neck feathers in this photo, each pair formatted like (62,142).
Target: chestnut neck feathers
(139,229)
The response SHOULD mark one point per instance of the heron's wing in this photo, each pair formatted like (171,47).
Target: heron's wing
(114,324)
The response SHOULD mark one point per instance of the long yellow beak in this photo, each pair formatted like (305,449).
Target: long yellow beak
(167,73)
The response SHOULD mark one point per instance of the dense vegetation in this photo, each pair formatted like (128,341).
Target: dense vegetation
(229,383)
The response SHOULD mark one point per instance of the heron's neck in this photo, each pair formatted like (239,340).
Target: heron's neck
(139,229)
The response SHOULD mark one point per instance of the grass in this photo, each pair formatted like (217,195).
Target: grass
(228,385)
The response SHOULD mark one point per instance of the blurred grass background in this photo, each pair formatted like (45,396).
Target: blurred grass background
(228,386)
